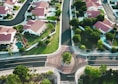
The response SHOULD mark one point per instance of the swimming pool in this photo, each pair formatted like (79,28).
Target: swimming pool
(19,45)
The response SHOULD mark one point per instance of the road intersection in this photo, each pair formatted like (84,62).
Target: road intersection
(53,60)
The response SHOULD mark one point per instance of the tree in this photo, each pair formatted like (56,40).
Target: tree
(88,30)
(103,68)
(109,36)
(77,13)
(46,81)
(41,43)
(22,72)
(114,49)
(13,79)
(100,17)
(96,34)
(19,28)
(47,41)
(67,57)
(88,21)
(78,31)
(77,38)
(92,71)
(82,47)
(80,6)
(74,22)
(100,45)
(58,12)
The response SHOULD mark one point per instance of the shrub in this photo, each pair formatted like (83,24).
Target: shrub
(67,56)
(77,38)
(46,81)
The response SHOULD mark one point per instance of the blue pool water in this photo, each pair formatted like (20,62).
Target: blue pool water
(19,45)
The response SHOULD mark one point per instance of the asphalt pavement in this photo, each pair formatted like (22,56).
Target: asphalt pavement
(30,62)
(20,16)
(66,31)
(107,60)
(110,14)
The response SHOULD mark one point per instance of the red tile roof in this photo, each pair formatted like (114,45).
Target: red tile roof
(4,37)
(2,10)
(41,4)
(38,11)
(102,26)
(30,22)
(26,27)
(92,13)
(9,2)
(90,3)
(7,30)
(35,26)
(106,21)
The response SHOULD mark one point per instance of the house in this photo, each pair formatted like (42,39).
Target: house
(39,12)
(108,22)
(40,9)
(92,14)
(102,27)
(93,5)
(7,35)
(3,11)
(42,0)
(10,3)
(35,27)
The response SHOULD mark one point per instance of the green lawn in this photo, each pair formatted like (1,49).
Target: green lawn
(34,38)
(115,42)
(51,47)
(16,7)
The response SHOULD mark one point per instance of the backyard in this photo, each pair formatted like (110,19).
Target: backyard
(46,49)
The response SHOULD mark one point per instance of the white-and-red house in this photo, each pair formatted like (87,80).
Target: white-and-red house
(7,35)
(104,26)
(40,9)
(10,3)
(35,27)
(93,5)
(92,14)
(3,11)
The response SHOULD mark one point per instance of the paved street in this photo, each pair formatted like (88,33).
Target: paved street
(20,16)
(66,72)
(109,12)
(31,62)
(66,32)
(98,60)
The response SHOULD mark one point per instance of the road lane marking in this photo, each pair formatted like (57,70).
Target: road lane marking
(23,62)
